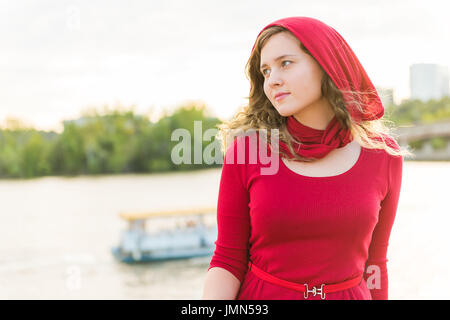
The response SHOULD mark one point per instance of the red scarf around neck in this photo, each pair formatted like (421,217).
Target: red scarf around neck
(315,143)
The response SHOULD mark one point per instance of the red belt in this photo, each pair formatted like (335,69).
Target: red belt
(322,289)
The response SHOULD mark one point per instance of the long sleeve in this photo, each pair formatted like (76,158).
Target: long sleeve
(376,273)
(233,220)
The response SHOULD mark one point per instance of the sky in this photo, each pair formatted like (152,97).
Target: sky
(58,58)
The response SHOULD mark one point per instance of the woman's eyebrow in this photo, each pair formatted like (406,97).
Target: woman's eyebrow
(280,57)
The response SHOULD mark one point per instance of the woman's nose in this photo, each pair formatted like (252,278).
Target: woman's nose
(274,79)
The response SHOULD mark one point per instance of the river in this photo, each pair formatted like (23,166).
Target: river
(57,232)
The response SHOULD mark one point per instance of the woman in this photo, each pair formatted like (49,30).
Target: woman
(319,227)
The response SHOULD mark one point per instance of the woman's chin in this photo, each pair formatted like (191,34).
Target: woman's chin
(284,112)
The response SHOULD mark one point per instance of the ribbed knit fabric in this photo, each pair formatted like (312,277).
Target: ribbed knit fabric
(305,229)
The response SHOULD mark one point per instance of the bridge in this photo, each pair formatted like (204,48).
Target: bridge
(425,132)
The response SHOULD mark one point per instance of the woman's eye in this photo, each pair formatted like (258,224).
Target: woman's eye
(264,73)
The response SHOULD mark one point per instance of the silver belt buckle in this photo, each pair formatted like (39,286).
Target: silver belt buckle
(314,291)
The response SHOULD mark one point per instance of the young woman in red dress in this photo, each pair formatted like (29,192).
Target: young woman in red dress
(317,225)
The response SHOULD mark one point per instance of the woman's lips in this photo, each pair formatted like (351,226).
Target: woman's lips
(282,96)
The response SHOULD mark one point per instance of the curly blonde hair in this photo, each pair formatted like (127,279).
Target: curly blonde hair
(260,113)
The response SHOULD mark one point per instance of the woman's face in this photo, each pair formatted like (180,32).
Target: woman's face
(297,74)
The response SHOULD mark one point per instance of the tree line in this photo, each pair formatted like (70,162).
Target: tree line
(121,141)
(114,142)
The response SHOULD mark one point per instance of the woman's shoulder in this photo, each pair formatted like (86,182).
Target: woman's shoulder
(389,141)
(381,157)
(392,143)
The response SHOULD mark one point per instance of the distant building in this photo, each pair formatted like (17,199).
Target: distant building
(428,81)
(386,95)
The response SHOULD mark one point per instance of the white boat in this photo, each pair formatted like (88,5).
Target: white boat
(194,239)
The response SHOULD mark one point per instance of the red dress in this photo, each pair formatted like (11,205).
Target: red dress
(307,229)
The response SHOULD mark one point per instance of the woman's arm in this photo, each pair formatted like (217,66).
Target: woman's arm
(229,262)
(376,273)
(220,284)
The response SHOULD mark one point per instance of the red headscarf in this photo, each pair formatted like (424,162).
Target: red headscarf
(338,60)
